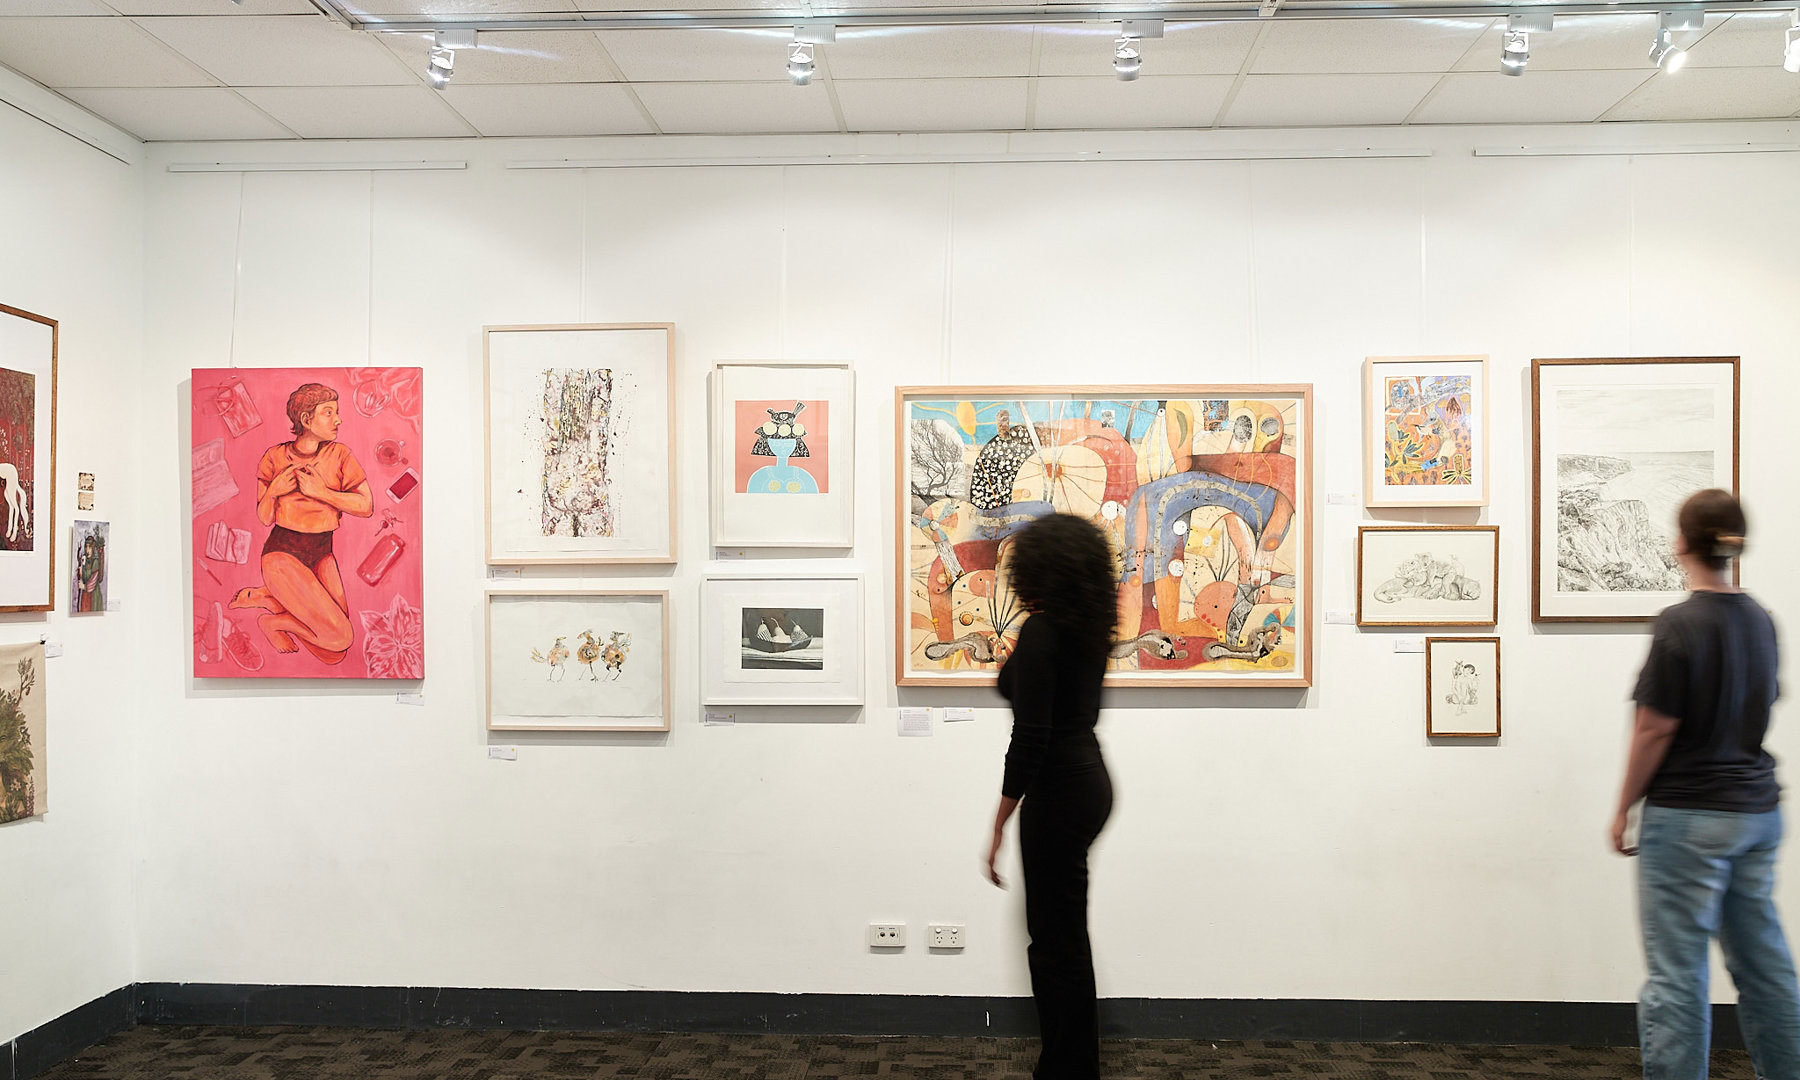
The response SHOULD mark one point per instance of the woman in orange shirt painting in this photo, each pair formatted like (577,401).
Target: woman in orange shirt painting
(303,489)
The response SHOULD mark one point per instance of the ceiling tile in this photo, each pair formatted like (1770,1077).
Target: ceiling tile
(930,52)
(289,50)
(933,104)
(179,114)
(454,7)
(1184,49)
(1153,101)
(1579,43)
(516,57)
(629,6)
(93,52)
(359,112)
(213,7)
(1366,45)
(565,109)
(53,7)
(699,55)
(1326,100)
(1713,94)
(1747,39)
(1536,97)
(737,108)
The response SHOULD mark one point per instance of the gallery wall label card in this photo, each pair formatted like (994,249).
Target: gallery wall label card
(52,647)
(409,699)
(915,723)
(712,718)
(1340,618)
(505,573)
(958,716)
(1341,498)
(503,753)
(1409,644)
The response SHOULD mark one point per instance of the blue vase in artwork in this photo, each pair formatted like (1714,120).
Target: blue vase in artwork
(781,478)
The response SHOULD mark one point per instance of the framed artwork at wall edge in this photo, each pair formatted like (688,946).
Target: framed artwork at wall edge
(28,350)
(1462,687)
(1425,431)
(784,455)
(580,438)
(1204,492)
(782,641)
(309,520)
(1427,575)
(87,566)
(577,660)
(1617,445)
(23,713)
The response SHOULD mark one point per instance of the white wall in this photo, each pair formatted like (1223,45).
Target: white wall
(71,248)
(1263,846)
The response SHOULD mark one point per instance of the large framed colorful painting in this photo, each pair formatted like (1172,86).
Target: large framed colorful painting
(1205,493)
(1425,431)
(27,460)
(1616,447)
(23,790)
(577,660)
(580,443)
(784,455)
(309,513)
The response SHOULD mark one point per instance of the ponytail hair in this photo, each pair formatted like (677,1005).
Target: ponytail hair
(1713,527)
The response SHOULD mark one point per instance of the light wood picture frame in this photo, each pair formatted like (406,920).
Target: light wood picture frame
(1463,685)
(592,479)
(1616,446)
(1427,575)
(1205,493)
(783,448)
(575,659)
(1425,431)
(28,356)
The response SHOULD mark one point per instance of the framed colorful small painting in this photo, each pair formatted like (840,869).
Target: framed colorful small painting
(577,660)
(1425,431)
(27,460)
(782,641)
(87,566)
(1204,492)
(309,519)
(784,455)
(580,443)
(1462,687)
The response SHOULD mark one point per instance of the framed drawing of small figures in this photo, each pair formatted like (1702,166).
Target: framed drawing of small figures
(782,641)
(1427,575)
(27,460)
(1425,431)
(784,455)
(1462,687)
(577,660)
(1616,447)
(580,443)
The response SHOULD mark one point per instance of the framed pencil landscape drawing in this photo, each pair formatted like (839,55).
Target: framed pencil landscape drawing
(784,455)
(28,345)
(1427,575)
(1425,431)
(1204,493)
(577,660)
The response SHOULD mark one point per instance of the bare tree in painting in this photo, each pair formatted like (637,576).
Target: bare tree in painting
(938,465)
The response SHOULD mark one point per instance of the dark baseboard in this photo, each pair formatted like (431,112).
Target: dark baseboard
(40,1048)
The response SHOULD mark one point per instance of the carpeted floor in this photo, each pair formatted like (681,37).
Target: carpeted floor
(286,1053)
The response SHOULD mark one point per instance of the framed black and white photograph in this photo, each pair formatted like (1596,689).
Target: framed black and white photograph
(782,641)
(1462,687)
(1427,575)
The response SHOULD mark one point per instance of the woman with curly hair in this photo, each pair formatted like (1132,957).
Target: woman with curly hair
(1061,570)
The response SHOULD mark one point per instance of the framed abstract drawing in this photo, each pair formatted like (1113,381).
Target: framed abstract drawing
(580,443)
(28,346)
(23,773)
(1616,447)
(1204,492)
(784,455)
(577,660)
(1425,431)
(1462,687)
(782,641)
(309,520)
(1427,575)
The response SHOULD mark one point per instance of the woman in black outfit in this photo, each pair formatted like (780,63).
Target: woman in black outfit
(1062,571)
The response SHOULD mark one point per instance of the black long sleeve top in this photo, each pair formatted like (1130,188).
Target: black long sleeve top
(1054,688)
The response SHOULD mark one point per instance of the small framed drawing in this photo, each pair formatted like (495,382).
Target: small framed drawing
(784,455)
(782,641)
(1462,687)
(577,660)
(1616,447)
(27,460)
(1425,431)
(1427,575)
(580,443)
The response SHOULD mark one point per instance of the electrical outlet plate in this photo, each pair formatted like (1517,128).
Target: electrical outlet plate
(887,935)
(944,936)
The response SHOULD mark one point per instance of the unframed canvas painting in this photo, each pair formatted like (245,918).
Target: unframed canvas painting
(87,566)
(22,714)
(308,512)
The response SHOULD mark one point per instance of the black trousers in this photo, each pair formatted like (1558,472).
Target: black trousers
(1058,820)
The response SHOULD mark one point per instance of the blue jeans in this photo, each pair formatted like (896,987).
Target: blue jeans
(1705,874)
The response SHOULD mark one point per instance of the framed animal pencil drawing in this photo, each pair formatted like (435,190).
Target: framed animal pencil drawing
(784,455)
(577,660)
(1462,687)
(1427,575)
(1205,493)
(1425,431)
(28,346)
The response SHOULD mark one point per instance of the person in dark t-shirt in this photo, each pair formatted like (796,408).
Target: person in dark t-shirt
(1711,826)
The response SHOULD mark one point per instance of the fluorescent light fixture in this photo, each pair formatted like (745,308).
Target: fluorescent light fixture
(439,67)
(1126,59)
(1515,52)
(1791,60)
(800,65)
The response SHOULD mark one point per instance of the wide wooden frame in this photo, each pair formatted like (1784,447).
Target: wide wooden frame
(46,525)
(1537,467)
(1303,392)
(1493,596)
(844,479)
(487,655)
(487,442)
(1373,411)
(1499,708)
(791,700)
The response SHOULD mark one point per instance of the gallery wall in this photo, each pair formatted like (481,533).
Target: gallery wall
(1265,844)
(71,249)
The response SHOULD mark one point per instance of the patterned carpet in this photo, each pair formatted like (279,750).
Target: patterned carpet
(286,1053)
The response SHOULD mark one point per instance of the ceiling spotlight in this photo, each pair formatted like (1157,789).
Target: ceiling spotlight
(1665,54)
(800,62)
(1515,52)
(1126,59)
(439,67)
(1791,60)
